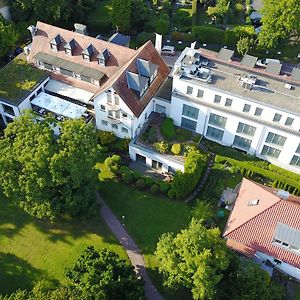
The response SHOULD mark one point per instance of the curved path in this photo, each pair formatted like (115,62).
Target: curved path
(130,246)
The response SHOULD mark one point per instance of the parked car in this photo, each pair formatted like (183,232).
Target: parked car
(265,61)
(168,50)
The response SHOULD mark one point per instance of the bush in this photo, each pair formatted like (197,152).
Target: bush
(124,169)
(188,37)
(162,147)
(103,149)
(140,184)
(144,37)
(113,163)
(177,36)
(148,181)
(202,211)
(106,137)
(176,149)
(162,25)
(208,34)
(136,175)
(121,145)
(171,194)
(239,8)
(164,187)
(128,177)
(233,35)
(167,129)
(182,19)
(154,189)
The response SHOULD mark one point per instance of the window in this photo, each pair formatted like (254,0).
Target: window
(156,164)
(39,91)
(295,161)
(109,98)
(48,66)
(270,151)
(53,47)
(110,113)
(190,111)
(114,126)
(86,79)
(289,121)
(258,111)
(217,120)
(31,97)
(102,107)
(246,108)
(104,122)
(275,139)
(246,129)
(217,99)
(125,130)
(189,90)
(228,102)
(200,93)
(215,133)
(188,124)
(117,100)
(277,117)
(68,51)
(86,57)
(124,115)
(146,116)
(117,114)
(253,202)
(66,72)
(241,142)
(298,149)
(8,109)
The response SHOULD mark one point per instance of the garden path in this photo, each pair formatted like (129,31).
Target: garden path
(130,246)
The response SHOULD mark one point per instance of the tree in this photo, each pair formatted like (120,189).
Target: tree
(280,20)
(220,10)
(194,258)
(244,45)
(8,37)
(48,175)
(121,14)
(104,275)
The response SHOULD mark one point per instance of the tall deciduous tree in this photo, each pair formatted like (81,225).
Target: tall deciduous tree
(121,14)
(48,175)
(280,20)
(103,275)
(8,37)
(194,258)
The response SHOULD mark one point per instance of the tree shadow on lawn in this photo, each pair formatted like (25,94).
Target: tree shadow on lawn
(17,273)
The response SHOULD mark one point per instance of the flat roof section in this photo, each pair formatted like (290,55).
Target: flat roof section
(274,68)
(18,79)
(225,54)
(249,61)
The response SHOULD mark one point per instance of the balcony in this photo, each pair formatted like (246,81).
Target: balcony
(113,120)
(112,107)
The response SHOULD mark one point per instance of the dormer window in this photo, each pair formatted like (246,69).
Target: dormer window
(69,47)
(137,83)
(88,52)
(55,43)
(147,69)
(103,57)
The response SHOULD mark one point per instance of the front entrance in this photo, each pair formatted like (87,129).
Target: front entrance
(156,165)
(140,158)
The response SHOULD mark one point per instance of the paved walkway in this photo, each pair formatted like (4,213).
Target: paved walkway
(130,246)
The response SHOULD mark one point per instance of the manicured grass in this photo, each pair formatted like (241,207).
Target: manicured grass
(31,250)
(18,78)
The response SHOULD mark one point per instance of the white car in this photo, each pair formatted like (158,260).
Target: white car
(167,50)
(265,61)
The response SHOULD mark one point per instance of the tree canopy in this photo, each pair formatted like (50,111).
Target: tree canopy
(280,20)
(194,258)
(48,175)
(8,37)
(104,275)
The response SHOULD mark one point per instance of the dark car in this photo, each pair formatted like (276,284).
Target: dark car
(10,56)
(18,51)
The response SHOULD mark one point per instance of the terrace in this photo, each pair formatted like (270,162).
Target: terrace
(18,79)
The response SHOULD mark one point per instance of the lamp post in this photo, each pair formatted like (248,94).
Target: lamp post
(123,221)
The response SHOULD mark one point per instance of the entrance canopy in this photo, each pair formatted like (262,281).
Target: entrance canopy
(59,106)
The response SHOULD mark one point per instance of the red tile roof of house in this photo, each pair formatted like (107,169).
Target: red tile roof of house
(121,59)
(251,228)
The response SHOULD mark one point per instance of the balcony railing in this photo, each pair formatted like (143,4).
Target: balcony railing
(113,120)
(113,107)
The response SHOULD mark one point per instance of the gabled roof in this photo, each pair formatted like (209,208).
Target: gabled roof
(70,45)
(146,68)
(104,54)
(56,40)
(136,82)
(253,228)
(89,50)
(119,39)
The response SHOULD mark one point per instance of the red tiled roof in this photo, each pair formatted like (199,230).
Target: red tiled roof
(251,228)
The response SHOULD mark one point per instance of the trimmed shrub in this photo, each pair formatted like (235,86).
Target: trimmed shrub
(140,184)
(208,34)
(202,211)
(176,149)
(124,169)
(148,181)
(162,147)
(171,194)
(127,177)
(154,189)
(121,145)
(167,129)
(136,175)
(106,137)
(164,187)
(113,163)
(103,149)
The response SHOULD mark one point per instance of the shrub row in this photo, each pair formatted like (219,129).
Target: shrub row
(108,141)
(279,178)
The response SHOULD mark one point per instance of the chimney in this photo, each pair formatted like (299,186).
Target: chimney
(32,29)
(80,28)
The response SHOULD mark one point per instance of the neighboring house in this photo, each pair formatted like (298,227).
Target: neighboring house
(264,225)
(119,39)
(19,84)
(115,84)
(238,104)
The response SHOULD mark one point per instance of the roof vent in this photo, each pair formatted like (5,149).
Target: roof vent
(282,194)
(253,202)
(80,28)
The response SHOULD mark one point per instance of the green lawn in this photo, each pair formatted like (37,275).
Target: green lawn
(18,78)
(31,250)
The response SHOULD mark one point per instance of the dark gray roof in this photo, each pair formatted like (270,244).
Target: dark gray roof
(274,67)
(104,54)
(249,61)
(70,45)
(57,40)
(89,50)
(225,54)
(119,39)
(146,68)
(65,64)
(135,81)
(296,74)
(287,234)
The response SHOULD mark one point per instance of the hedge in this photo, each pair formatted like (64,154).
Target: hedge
(208,34)
(232,36)
(284,179)
(167,129)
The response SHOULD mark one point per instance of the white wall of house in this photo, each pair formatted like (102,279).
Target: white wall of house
(161,106)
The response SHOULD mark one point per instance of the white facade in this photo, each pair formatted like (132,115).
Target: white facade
(230,119)
(9,111)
